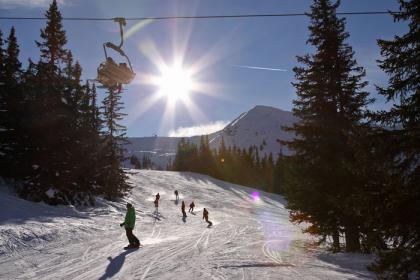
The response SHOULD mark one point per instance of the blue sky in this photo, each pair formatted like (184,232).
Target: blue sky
(215,47)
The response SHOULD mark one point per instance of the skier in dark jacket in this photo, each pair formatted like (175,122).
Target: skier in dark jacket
(206,217)
(157,196)
(176,195)
(184,215)
(129,222)
(192,205)
(156,202)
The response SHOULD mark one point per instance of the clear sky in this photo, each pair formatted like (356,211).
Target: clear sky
(224,56)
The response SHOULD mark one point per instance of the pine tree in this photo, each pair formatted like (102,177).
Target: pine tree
(3,112)
(329,105)
(401,192)
(54,38)
(206,160)
(52,117)
(13,100)
(135,162)
(114,178)
(56,167)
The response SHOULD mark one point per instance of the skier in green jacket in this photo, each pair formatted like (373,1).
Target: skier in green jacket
(129,222)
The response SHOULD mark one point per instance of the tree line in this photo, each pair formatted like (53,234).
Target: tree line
(56,144)
(144,163)
(241,166)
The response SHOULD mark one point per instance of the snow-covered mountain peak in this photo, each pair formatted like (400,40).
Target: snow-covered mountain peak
(261,126)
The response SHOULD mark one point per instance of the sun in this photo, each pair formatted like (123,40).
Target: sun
(175,83)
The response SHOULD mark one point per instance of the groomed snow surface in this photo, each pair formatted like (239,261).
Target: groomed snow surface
(251,237)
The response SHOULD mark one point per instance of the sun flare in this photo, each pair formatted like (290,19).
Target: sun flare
(175,83)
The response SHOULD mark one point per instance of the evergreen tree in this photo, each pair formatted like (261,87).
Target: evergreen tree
(114,178)
(13,103)
(55,128)
(186,158)
(330,107)
(401,193)
(54,38)
(206,160)
(3,112)
(135,162)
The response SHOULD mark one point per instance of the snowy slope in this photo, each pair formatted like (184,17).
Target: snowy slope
(260,126)
(250,239)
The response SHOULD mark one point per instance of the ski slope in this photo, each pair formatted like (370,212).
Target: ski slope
(251,237)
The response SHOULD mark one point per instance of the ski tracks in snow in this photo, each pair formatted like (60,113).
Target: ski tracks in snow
(248,240)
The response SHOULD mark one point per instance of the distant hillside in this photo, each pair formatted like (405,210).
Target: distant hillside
(260,126)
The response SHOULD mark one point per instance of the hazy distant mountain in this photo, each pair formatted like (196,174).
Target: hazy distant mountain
(260,126)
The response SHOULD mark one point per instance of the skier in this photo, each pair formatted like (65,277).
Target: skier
(129,222)
(184,215)
(206,217)
(157,196)
(176,195)
(156,206)
(192,205)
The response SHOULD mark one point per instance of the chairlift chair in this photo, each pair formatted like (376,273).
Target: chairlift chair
(110,73)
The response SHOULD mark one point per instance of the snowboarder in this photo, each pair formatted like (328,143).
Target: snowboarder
(184,215)
(206,217)
(176,195)
(192,205)
(156,202)
(129,222)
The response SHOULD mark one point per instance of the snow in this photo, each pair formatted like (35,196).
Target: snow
(50,193)
(35,166)
(251,237)
(261,126)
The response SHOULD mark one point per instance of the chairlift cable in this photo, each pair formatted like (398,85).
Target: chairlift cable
(201,17)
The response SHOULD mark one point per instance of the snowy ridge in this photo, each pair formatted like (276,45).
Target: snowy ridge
(260,126)
(251,237)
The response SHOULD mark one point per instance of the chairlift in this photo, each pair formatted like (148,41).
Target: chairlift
(110,73)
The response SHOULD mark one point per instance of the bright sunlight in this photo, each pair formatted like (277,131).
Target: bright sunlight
(175,83)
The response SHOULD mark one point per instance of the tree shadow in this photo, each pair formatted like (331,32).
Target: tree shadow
(241,192)
(15,210)
(349,263)
(115,265)
(254,265)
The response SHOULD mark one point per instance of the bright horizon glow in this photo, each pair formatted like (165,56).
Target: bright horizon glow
(175,83)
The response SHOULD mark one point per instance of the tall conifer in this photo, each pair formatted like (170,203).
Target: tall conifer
(329,105)
(400,223)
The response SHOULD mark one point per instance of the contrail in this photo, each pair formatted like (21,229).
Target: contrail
(261,68)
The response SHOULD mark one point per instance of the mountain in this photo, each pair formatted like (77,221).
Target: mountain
(251,237)
(261,126)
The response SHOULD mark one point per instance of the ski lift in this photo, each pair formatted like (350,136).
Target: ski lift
(110,73)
